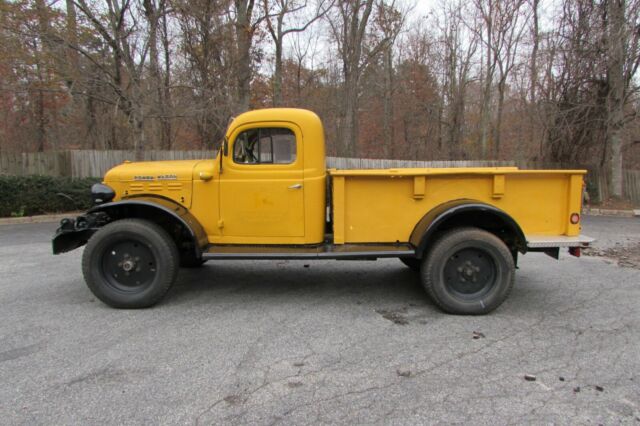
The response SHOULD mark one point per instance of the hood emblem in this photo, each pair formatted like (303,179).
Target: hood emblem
(168,177)
(160,177)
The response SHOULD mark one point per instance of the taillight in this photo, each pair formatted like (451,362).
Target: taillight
(575,218)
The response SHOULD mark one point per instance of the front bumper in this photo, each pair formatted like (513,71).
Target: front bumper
(74,233)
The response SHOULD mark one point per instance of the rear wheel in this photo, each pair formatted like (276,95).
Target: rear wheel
(130,263)
(468,271)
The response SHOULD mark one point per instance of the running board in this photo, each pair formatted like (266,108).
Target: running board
(325,251)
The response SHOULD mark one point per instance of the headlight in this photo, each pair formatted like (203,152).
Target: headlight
(101,193)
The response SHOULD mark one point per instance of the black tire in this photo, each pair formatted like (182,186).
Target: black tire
(412,262)
(130,263)
(468,271)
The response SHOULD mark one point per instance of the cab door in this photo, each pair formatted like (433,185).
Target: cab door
(262,185)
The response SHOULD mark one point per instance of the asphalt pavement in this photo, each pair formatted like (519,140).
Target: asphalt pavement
(292,342)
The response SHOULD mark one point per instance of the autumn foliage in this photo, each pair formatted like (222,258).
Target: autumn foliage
(542,80)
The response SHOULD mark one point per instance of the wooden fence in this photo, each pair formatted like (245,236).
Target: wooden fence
(82,163)
(632,185)
(90,163)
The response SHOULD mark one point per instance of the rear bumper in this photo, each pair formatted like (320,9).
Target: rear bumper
(553,241)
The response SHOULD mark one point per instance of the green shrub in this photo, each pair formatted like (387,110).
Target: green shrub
(32,195)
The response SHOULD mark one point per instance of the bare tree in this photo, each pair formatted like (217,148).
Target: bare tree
(615,40)
(349,27)
(459,45)
(535,36)
(276,12)
(210,53)
(512,23)
(389,21)
(500,34)
(303,47)
(152,12)
(118,28)
(165,91)
(247,21)
(512,78)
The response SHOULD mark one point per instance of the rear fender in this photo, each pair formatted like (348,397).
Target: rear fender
(465,212)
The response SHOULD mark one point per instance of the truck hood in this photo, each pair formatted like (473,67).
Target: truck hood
(149,171)
(168,179)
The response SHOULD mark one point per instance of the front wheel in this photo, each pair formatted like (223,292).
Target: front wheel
(468,271)
(130,263)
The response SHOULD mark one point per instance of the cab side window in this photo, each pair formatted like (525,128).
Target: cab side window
(265,146)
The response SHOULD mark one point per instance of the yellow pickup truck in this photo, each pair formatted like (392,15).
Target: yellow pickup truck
(268,195)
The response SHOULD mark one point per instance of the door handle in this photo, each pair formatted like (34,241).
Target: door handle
(296,186)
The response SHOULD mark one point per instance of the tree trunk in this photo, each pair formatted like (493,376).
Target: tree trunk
(41,119)
(497,130)
(485,119)
(299,82)
(534,53)
(349,130)
(277,76)
(244,36)
(90,117)
(485,114)
(387,119)
(151,13)
(354,19)
(457,120)
(167,104)
(72,39)
(139,137)
(616,95)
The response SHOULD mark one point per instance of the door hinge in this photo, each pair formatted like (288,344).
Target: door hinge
(221,224)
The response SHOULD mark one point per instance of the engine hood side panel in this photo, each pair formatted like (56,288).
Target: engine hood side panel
(168,179)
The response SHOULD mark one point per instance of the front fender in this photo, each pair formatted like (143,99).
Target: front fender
(74,233)
(132,206)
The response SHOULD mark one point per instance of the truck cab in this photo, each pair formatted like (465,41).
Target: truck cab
(269,180)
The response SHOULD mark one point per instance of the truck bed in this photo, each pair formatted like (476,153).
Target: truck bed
(384,205)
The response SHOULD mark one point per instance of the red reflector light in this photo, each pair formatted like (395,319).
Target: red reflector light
(575,218)
(574,251)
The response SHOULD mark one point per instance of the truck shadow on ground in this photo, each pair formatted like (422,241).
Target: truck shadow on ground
(392,293)
(391,290)
(301,282)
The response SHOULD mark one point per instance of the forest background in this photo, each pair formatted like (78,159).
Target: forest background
(529,80)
